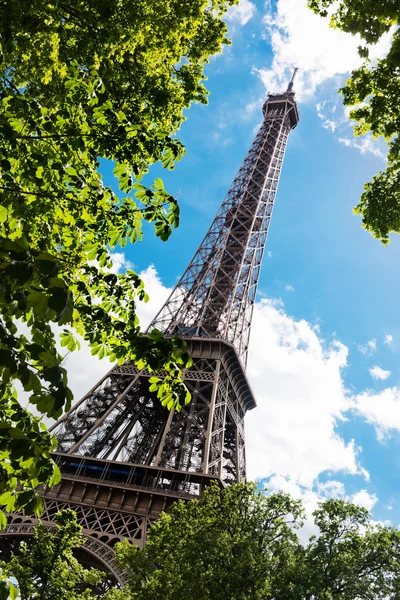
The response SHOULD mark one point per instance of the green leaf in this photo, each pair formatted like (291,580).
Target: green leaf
(48,266)
(58,299)
(3,520)
(68,340)
(4,590)
(70,84)
(56,477)
(92,254)
(38,302)
(115,237)
(5,497)
(48,359)
(13,591)
(71,171)
(7,358)
(35,505)
(8,500)
(3,214)
(139,186)
(24,498)
(158,184)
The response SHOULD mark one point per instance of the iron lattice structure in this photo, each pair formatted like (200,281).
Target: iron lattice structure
(124,458)
(215,296)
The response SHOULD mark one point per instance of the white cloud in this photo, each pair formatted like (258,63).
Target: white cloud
(120,263)
(366,144)
(332,107)
(242,13)
(289,288)
(364,499)
(379,373)
(297,381)
(369,348)
(221,139)
(329,121)
(312,497)
(324,56)
(381,409)
(253,107)
(389,507)
(158,295)
(300,38)
(365,474)
(331,489)
(388,339)
(335,117)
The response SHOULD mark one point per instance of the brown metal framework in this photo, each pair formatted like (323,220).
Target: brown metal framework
(124,458)
(121,420)
(215,296)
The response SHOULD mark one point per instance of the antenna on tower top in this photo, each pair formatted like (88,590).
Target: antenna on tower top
(290,86)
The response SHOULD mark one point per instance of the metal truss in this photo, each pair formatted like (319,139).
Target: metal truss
(215,296)
(120,420)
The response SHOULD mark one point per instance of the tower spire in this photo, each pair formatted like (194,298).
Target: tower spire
(290,85)
(123,457)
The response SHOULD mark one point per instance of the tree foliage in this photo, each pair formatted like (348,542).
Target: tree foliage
(240,544)
(233,544)
(373,91)
(351,558)
(83,82)
(46,568)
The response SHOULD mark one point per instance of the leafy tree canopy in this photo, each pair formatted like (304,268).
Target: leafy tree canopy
(373,91)
(82,82)
(240,544)
(46,568)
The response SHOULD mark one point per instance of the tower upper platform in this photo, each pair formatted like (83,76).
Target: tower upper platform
(283,104)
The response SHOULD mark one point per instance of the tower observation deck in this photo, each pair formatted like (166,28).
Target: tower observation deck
(124,458)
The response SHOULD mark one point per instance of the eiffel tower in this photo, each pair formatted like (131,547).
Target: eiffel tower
(123,457)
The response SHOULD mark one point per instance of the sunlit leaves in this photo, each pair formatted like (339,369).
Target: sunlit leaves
(364,18)
(25,456)
(373,91)
(81,84)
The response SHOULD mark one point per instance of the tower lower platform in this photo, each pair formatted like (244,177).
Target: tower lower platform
(113,502)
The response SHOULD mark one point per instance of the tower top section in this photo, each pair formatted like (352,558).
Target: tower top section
(215,297)
(284,103)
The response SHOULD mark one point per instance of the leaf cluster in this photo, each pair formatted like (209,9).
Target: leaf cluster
(82,83)
(373,92)
(235,543)
(239,543)
(351,558)
(46,568)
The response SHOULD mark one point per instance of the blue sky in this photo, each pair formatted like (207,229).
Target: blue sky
(327,309)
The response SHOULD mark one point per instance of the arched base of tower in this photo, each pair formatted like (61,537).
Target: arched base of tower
(92,554)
